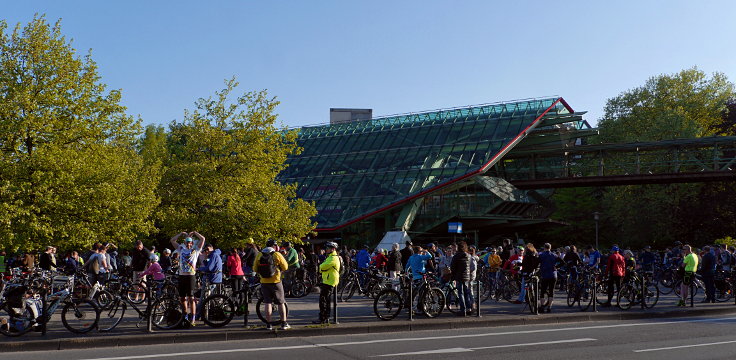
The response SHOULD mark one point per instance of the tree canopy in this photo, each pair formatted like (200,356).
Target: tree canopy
(68,170)
(220,177)
(669,106)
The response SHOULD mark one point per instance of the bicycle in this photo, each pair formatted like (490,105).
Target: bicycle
(531,284)
(167,311)
(427,299)
(631,292)
(17,318)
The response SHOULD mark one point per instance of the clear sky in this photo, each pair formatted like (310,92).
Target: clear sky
(391,56)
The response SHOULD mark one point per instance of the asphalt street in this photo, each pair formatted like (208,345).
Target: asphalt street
(686,338)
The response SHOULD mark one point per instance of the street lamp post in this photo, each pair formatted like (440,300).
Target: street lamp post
(596,217)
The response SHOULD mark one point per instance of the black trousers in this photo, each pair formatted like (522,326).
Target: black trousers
(613,280)
(710,286)
(325,301)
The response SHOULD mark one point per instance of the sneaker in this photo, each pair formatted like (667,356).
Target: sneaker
(285,326)
(269,327)
(681,303)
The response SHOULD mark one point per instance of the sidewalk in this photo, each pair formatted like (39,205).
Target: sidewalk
(354,317)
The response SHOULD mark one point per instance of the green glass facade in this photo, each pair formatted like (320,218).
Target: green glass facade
(372,169)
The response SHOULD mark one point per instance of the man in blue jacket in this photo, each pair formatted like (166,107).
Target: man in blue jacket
(212,267)
(418,262)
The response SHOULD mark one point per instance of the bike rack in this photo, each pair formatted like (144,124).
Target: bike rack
(643,291)
(149,317)
(477,302)
(246,301)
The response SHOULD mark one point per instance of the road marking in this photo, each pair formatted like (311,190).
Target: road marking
(379,341)
(685,346)
(457,350)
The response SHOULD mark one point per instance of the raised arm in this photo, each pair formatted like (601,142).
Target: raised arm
(176,237)
(200,237)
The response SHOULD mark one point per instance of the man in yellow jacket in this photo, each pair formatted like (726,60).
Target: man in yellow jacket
(272,290)
(330,269)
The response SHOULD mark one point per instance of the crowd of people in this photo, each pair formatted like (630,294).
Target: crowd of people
(458,262)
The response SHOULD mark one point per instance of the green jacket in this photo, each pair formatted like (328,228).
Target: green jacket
(2,264)
(330,269)
(292,258)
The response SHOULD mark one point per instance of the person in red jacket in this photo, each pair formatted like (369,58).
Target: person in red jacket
(616,269)
(380,260)
(234,264)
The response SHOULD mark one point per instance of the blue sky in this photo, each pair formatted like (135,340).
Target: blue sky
(391,56)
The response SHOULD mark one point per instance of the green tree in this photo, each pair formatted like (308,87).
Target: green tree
(69,174)
(669,106)
(220,178)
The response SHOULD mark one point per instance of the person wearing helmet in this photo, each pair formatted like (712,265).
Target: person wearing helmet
(188,254)
(270,264)
(330,269)
(616,269)
(154,270)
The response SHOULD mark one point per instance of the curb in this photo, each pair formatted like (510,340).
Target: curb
(242,334)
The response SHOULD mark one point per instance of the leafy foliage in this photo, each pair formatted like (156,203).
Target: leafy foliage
(68,172)
(220,178)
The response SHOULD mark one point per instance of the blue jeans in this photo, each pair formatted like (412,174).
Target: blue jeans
(465,295)
(522,293)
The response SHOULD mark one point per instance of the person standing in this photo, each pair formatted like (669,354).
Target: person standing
(292,259)
(188,255)
(529,263)
(460,271)
(330,269)
(3,266)
(46,260)
(687,271)
(548,274)
(212,268)
(234,264)
(139,258)
(270,264)
(394,265)
(616,269)
(708,270)
(406,253)
(165,261)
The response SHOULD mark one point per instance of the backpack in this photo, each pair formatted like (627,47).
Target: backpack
(92,265)
(266,266)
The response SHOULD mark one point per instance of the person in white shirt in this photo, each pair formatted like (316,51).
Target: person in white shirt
(188,255)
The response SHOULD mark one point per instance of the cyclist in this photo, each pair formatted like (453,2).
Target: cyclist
(548,273)
(529,263)
(212,267)
(647,259)
(724,258)
(270,264)
(330,269)
(686,272)
(460,271)
(154,269)
(188,255)
(594,257)
(708,270)
(616,268)
(418,262)
(494,264)
(235,268)
(292,258)
(406,253)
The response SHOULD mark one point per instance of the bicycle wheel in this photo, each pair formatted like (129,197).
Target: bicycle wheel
(585,297)
(651,295)
(387,304)
(452,299)
(167,313)
(298,289)
(111,315)
(433,301)
(723,291)
(80,316)
(348,291)
(531,299)
(601,295)
(261,311)
(667,281)
(136,294)
(103,298)
(217,310)
(626,297)
(15,321)
(511,291)
(170,290)
(572,292)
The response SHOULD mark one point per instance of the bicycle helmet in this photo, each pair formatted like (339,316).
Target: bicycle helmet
(268,250)
(331,244)
(615,249)
(153,258)
(271,242)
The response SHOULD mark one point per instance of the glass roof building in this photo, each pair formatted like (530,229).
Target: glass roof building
(418,171)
